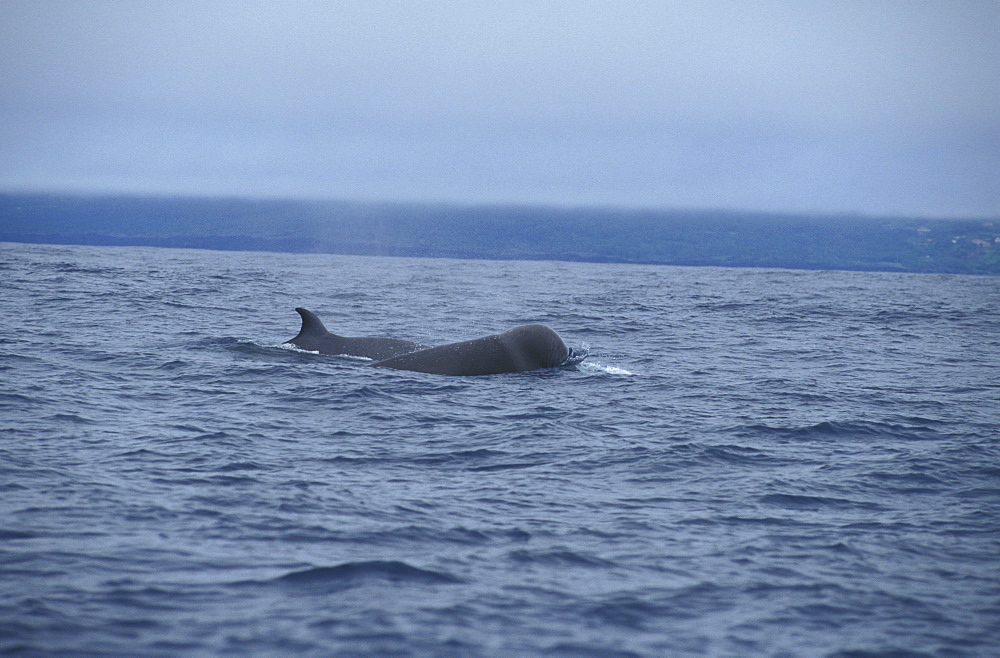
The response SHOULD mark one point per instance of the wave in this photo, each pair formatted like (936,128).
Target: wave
(855,430)
(354,574)
(560,558)
(594,366)
(801,502)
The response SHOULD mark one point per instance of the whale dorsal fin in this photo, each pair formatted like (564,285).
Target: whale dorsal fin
(311,324)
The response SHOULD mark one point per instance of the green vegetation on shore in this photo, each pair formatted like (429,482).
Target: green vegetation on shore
(673,237)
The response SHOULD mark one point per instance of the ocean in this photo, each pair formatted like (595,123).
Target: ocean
(750,461)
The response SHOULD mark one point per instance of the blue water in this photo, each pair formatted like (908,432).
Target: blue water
(751,462)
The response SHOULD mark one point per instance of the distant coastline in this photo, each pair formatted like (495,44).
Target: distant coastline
(496,232)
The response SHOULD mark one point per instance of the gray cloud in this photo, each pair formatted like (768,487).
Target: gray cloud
(887,107)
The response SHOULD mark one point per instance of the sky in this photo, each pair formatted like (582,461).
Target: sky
(877,107)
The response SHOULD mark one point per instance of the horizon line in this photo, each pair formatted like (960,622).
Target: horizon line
(472,205)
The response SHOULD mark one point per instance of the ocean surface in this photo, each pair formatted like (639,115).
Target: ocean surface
(750,462)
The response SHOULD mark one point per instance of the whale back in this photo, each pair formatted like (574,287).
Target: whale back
(314,337)
(528,347)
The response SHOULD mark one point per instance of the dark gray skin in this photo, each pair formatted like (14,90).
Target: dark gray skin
(315,338)
(529,347)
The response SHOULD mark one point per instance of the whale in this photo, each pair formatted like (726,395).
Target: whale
(528,347)
(314,337)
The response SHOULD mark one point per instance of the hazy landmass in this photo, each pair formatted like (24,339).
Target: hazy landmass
(671,237)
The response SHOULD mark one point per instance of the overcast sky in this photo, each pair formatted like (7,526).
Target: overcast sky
(886,107)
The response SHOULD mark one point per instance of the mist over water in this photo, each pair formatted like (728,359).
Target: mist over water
(749,462)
